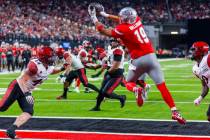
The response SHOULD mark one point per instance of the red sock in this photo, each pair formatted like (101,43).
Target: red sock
(77,82)
(142,83)
(130,86)
(166,94)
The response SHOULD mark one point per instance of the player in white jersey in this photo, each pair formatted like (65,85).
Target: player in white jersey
(20,89)
(199,53)
(77,71)
(112,77)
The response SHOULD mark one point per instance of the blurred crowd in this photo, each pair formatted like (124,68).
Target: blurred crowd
(17,55)
(69,19)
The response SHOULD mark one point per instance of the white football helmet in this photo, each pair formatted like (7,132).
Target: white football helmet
(128,15)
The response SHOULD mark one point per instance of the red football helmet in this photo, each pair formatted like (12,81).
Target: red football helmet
(198,50)
(46,55)
(59,52)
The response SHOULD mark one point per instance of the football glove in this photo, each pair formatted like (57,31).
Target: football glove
(198,100)
(92,13)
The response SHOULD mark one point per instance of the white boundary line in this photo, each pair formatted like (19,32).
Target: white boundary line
(106,118)
(109,100)
(188,85)
(110,133)
(152,91)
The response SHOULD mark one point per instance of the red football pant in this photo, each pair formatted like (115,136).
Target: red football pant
(166,94)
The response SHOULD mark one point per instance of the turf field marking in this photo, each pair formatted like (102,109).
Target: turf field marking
(106,118)
(173,91)
(49,83)
(129,101)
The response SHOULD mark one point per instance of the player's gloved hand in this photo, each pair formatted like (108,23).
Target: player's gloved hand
(92,13)
(198,100)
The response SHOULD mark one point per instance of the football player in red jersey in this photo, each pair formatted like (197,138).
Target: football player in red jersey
(20,89)
(199,53)
(131,31)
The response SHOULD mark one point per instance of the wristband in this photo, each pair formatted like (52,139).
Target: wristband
(200,98)
(104,14)
(94,18)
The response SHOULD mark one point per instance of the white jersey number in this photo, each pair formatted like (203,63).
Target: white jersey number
(141,35)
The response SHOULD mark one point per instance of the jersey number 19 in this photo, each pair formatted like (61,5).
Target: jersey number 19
(141,35)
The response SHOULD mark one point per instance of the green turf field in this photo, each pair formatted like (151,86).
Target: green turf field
(179,78)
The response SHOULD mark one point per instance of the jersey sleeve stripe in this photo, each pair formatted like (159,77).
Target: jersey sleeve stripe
(118,32)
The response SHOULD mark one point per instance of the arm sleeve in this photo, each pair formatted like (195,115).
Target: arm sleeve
(117,55)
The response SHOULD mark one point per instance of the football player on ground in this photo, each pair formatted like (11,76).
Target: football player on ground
(112,77)
(20,89)
(131,31)
(77,71)
(199,53)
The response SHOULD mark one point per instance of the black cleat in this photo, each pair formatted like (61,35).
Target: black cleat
(11,133)
(95,109)
(122,101)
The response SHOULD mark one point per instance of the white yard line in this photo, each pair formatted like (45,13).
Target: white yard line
(99,83)
(129,101)
(173,91)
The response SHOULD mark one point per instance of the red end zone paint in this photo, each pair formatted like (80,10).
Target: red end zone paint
(97,136)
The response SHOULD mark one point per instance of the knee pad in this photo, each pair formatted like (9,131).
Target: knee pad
(29,110)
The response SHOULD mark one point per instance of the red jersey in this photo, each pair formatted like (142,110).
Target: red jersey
(134,38)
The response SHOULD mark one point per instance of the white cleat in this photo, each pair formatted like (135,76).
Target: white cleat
(146,91)
(76,90)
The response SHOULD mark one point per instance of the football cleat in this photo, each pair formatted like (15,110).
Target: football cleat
(146,91)
(11,133)
(138,93)
(177,116)
(76,90)
(61,98)
(122,101)
(87,90)
(95,109)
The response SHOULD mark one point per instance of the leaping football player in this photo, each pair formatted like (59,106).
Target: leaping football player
(131,31)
